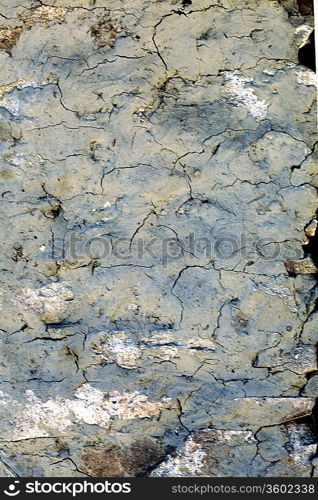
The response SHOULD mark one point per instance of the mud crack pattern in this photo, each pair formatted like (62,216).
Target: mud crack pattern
(158,191)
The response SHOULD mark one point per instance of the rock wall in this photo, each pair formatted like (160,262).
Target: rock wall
(159,192)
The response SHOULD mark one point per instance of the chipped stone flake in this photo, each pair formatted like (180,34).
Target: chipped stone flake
(197,343)
(302,34)
(310,229)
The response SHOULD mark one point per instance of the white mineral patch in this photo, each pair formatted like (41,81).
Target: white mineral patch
(302,452)
(245,97)
(4,398)
(90,406)
(21,160)
(11,104)
(231,437)
(189,461)
(121,349)
(282,292)
(50,301)
(132,306)
(307,78)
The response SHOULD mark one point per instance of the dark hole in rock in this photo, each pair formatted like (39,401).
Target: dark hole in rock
(207,34)
(307,53)
(185,3)
(305,7)
(315,418)
(312,374)
(311,248)
(313,424)
(55,211)
(18,251)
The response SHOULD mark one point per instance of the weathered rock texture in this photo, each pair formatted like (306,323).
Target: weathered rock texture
(158,185)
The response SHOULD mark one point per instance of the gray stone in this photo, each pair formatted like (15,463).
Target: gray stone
(158,190)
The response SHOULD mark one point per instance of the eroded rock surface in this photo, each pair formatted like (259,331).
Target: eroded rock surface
(159,194)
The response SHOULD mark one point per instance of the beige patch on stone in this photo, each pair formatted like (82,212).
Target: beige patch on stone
(311,228)
(302,266)
(105,32)
(255,412)
(44,14)
(199,343)
(9,36)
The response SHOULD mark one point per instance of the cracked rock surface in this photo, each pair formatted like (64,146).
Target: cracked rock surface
(158,282)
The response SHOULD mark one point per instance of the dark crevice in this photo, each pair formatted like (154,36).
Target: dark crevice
(55,211)
(314,419)
(305,7)
(311,248)
(311,374)
(307,53)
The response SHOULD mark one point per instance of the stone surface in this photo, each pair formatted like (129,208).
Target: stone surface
(159,195)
